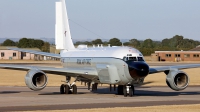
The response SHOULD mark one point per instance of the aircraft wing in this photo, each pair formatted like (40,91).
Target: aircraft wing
(36,52)
(167,68)
(52,70)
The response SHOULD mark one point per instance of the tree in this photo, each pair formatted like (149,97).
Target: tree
(165,42)
(8,42)
(148,43)
(46,47)
(83,43)
(115,42)
(175,41)
(146,51)
(178,42)
(126,43)
(23,43)
(78,43)
(38,43)
(30,43)
(135,43)
(87,43)
(105,43)
(97,41)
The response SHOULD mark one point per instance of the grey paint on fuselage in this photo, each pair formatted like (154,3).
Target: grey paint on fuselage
(109,70)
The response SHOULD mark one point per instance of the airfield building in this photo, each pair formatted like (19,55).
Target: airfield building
(176,56)
(6,54)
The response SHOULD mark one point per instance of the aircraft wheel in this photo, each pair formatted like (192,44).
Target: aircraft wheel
(131,91)
(67,89)
(133,88)
(120,89)
(74,89)
(125,90)
(62,89)
(92,87)
(95,87)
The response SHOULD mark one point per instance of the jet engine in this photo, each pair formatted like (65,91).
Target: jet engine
(177,80)
(36,79)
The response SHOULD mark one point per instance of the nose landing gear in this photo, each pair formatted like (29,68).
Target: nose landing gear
(126,90)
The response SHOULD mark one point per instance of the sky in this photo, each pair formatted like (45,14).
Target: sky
(105,19)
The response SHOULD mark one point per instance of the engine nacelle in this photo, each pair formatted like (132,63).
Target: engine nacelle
(177,80)
(36,79)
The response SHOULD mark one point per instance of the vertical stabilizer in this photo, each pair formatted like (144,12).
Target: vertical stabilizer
(62,31)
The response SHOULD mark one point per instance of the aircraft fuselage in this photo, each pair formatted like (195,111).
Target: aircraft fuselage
(111,65)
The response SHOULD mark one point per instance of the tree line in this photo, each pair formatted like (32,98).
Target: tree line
(147,47)
(28,43)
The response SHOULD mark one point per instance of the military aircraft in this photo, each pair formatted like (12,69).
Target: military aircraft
(116,65)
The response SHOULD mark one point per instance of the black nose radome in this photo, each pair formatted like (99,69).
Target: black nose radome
(138,69)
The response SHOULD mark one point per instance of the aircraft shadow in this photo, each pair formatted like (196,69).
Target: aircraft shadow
(161,93)
(9,92)
(53,93)
(137,92)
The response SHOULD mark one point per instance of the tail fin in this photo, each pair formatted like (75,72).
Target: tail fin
(62,30)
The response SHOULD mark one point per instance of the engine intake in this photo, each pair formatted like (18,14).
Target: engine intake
(36,80)
(177,80)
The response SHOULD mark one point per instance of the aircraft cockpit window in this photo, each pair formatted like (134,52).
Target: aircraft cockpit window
(132,58)
(140,59)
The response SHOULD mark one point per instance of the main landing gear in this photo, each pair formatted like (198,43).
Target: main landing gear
(94,86)
(126,90)
(68,88)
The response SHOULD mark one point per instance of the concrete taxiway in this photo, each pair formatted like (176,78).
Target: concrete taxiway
(23,99)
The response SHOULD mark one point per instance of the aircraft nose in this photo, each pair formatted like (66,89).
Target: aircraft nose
(138,69)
